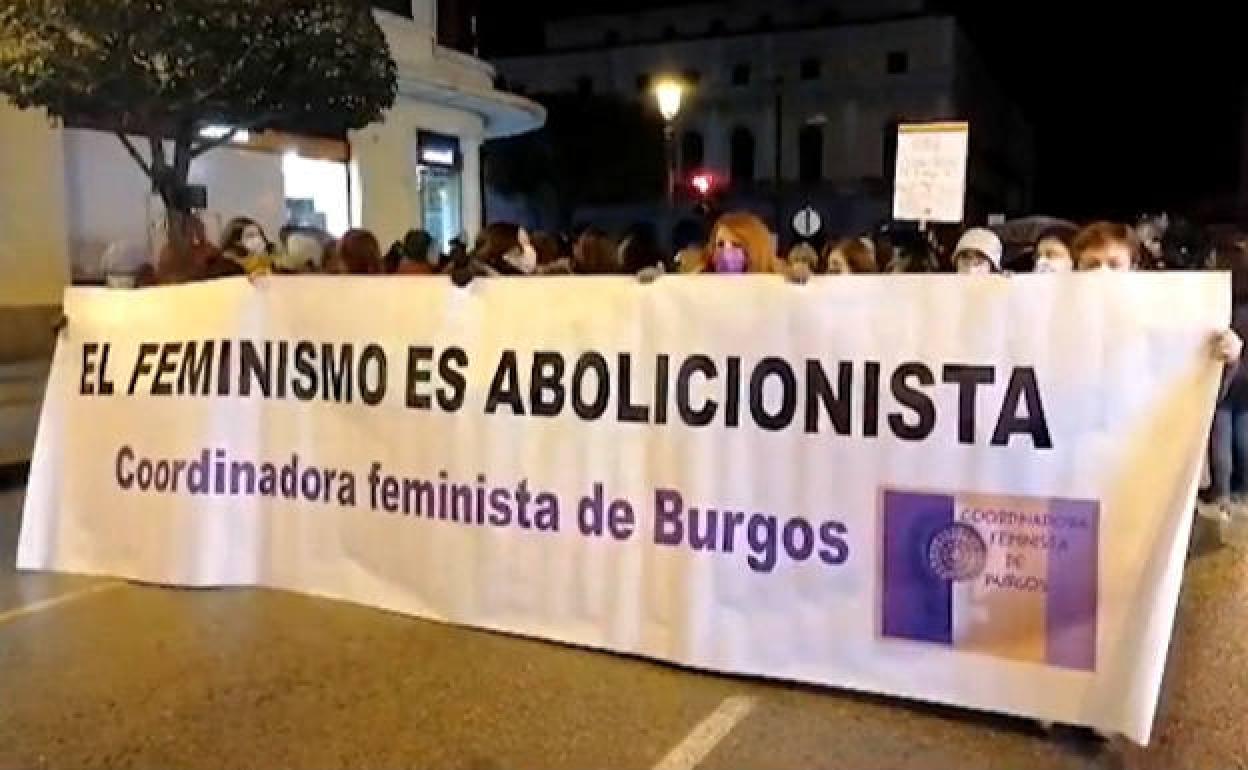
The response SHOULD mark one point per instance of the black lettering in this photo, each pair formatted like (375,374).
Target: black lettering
(336,376)
(106,384)
(163,367)
(252,368)
(732,393)
(662,364)
(546,393)
(283,353)
(1023,388)
(628,411)
(871,399)
(788,399)
(304,386)
(141,366)
(194,376)
(594,409)
(451,364)
(372,390)
(418,375)
(968,378)
(223,369)
(837,406)
(696,364)
(915,399)
(85,385)
(505,388)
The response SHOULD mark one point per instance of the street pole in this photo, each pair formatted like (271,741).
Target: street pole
(669,148)
(779,154)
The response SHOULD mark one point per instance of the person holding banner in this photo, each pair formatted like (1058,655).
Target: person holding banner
(978,252)
(1114,247)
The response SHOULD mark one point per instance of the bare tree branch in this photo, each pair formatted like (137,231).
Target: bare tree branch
(134,153)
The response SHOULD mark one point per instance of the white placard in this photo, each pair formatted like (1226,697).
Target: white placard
(930,181)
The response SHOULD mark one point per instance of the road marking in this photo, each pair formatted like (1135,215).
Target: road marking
(56,601)
(703,739)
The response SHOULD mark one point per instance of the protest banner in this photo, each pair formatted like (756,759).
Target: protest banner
(930,180)
(972,491)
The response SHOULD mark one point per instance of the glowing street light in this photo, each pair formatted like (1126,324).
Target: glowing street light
(669,92)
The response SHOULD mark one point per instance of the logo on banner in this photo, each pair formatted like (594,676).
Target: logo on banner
(1011,577)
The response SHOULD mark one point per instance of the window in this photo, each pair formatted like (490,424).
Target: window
(643,82)
(810,69)
(810,154)
(692,151)
(669,32)
(584,85)
(717,27)
(764,23)
(612,37)
(742,166)
(741,75)
(692,78)
(898,62)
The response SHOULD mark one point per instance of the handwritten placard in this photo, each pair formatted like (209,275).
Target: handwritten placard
(931,172)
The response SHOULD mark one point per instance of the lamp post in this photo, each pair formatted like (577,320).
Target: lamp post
(669,93)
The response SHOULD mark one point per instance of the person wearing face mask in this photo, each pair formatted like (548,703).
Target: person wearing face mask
(243,242)
(740,243)
(978,252)
(1053,252)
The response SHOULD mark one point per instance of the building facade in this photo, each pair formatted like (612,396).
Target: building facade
(68,192)
(798,98)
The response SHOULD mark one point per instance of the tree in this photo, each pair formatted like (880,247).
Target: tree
(594,149)
(163,70)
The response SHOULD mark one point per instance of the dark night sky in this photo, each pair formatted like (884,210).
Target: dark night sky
(1132,109)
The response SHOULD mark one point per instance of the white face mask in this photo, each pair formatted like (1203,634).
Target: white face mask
(1053,265)
(255,244)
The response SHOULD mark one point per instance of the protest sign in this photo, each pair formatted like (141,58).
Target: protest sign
(973,491)
(930,179)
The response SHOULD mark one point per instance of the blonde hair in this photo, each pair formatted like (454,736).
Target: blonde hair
(749,231)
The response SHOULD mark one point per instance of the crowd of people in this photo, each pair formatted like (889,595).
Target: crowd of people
(741,243)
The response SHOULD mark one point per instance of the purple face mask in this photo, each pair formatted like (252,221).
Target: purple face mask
(729,259)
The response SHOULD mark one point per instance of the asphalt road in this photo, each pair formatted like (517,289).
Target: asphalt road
(97,673)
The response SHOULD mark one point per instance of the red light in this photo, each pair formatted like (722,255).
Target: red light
(702,183)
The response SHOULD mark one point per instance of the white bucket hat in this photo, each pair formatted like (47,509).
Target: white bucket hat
(984,241)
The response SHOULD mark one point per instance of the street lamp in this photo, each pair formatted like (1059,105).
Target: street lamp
(669,92)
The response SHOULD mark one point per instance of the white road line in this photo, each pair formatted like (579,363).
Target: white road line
(703,739)
(55,601)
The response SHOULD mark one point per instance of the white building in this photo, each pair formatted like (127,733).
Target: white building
(66,193)
(838,74)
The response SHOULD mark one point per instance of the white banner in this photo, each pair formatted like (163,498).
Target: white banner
(973,491)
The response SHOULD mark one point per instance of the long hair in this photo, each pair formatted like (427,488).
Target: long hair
(494,243)
(753,235)
(594,254)
(359,253)
(232,235)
